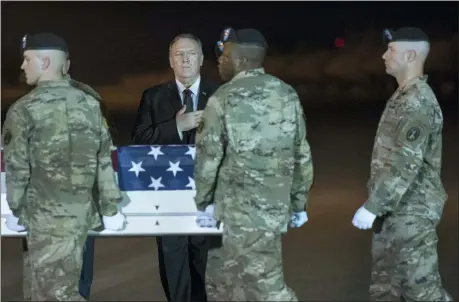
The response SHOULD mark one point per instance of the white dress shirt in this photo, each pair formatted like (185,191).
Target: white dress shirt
(194,96)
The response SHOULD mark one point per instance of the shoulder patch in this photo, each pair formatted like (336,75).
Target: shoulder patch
(413,134)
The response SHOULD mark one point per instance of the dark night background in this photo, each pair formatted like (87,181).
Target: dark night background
(121,48)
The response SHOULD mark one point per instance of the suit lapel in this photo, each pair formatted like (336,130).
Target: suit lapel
(203,95)
(174,96)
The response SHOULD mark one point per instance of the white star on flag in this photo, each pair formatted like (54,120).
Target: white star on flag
(174,168)
(191,183)
(191,151)
(136,168)
(155,183)
(155,151)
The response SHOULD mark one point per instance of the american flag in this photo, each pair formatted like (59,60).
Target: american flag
(158,187)
(156,168)
(157,179)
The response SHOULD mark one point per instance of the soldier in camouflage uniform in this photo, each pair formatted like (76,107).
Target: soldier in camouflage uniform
(57,152)
(253,170)
(406,194)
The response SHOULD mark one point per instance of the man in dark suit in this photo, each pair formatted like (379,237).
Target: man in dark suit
(169,114)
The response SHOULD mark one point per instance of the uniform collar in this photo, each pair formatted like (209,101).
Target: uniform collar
(249,73)
(65,81)
(413,81)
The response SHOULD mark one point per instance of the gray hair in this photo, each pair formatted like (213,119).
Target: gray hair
(186,36)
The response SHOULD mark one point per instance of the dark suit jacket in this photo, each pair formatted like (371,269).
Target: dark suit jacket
(155,122)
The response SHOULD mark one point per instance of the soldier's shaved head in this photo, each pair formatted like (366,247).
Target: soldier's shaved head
(58,60)
(239,57)
(417,52)
(251,56)
(405,59)
(244,49)
(406,54)
(45,64)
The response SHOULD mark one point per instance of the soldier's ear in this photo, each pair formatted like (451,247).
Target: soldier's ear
(66,67)
(241,61)
(46,61)
(411,55)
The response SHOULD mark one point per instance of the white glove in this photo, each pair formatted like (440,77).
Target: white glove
(205,219)
(298,219)
(114,223)
(12,223)
(363,219)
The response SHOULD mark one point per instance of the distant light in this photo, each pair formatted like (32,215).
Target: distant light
(339,42)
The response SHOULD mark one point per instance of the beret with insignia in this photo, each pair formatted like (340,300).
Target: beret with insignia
(246,36)
(43,41)
(405,34)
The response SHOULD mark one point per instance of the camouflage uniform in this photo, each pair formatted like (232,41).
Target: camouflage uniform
(57,151)
(214,264)
(254,162)
(405,188)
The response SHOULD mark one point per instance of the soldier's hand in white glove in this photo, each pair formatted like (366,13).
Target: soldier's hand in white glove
(363,219)
(114,223)
(298,219)
(12,223)
(205,219)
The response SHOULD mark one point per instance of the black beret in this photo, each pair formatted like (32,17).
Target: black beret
(405,34)
(43,41)
(248,36)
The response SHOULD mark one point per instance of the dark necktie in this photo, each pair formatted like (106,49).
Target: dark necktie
(188,100)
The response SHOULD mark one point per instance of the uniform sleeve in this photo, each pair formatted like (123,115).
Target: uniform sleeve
(210,150)
(109,193)
(303,169)
(401,165)
(16,155)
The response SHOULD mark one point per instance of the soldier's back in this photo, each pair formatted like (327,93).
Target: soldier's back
(63,144)
(261,122)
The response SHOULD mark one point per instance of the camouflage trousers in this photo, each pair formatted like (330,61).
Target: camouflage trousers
(53,263)
(248,267)
(213,270)
(405,261)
